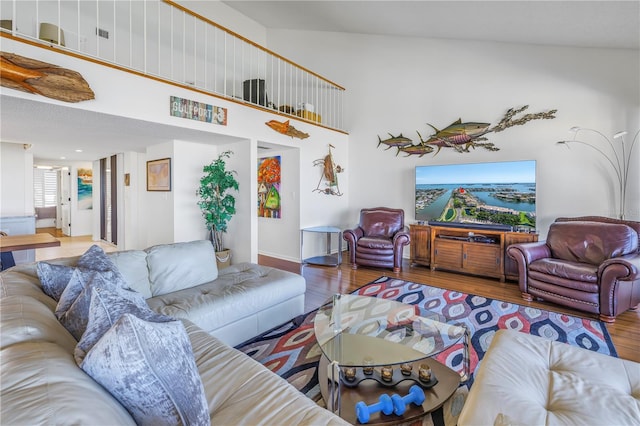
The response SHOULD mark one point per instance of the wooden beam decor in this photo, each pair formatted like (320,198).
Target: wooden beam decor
(52,81)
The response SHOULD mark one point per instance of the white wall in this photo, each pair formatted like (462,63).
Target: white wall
(393,85)
(275,235)
(230,18)
(187,163)
(81,220)
(16,180)
(398,85)
(158,215)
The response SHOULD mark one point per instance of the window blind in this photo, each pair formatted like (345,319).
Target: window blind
(45,188)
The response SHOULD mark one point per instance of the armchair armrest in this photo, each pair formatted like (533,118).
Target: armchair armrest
(625,268)
(351,236)
(529,252)
(401,238)
(619,285)
(523,254)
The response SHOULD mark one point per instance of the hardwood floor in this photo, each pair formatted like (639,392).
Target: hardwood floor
(322,282)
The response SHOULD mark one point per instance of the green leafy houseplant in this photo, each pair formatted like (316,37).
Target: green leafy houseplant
(215,200)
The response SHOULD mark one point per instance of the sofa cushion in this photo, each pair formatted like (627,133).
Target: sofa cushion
(42,385)
(536,381)
(25,319)
(375,243)
(73,307)
(240,291)
(132,264)
(105,310)
(590,242)
(196,265)
(582,272)
(149,367)
(380,223)
(250,394)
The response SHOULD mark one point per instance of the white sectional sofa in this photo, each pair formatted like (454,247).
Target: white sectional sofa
(42,383)
(529,380)
(234,304)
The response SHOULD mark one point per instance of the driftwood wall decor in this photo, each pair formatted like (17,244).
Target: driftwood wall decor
(461,136)
(329,174)
(286,129)
(52,81)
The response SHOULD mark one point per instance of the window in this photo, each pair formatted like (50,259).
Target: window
(45,188)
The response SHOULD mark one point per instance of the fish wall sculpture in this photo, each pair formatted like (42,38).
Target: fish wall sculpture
(462,136)
(286,129)
(52,81)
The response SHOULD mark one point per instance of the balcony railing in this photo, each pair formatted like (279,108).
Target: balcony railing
(163,40)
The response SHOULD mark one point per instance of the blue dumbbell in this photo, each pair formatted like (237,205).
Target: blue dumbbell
(415,395)
(364,411)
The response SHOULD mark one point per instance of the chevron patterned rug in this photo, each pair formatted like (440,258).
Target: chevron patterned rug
(291,350)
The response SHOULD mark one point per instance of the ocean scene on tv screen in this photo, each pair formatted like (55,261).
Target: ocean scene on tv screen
(502,193)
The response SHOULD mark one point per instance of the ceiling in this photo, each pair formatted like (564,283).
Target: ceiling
(610,24)
(59,131)
(56,131)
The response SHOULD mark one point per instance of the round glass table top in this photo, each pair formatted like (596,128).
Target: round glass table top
(368,331)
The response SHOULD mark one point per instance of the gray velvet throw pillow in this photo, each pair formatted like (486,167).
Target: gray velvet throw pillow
(96,259)
(54,278)
(150,369)
(73,307)
(105,310)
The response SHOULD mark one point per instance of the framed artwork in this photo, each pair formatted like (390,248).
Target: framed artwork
(85,189)
(269,187)
(159,175)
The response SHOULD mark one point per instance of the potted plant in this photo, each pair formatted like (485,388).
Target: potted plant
(217,204)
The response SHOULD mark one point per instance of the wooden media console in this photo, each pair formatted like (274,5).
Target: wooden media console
(466,250)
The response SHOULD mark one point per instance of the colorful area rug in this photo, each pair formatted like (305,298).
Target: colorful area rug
(291,350)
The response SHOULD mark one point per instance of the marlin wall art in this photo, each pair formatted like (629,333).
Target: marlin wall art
(461,136)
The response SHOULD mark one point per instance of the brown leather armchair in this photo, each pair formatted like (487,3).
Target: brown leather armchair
(588,263)
(378,240)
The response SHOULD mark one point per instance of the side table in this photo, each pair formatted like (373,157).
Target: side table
(328,259)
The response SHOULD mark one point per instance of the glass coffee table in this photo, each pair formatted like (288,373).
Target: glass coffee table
(372,346)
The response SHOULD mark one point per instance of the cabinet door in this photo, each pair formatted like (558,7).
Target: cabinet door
(510,266)
(447,254)
(420,244)
(483,259)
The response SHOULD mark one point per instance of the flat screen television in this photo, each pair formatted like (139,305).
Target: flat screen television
(501,195)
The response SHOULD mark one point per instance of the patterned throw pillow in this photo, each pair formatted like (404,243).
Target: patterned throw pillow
(105,310)
(73,307)
(150,369)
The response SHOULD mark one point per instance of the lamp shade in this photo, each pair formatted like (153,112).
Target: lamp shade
(49,32)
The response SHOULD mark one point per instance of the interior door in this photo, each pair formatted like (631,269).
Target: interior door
(65,201)
(109,200)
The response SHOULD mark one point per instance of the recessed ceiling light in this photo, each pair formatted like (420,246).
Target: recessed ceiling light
(78,150)
(63,158)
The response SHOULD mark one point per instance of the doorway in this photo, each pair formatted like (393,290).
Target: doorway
(109,200)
